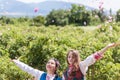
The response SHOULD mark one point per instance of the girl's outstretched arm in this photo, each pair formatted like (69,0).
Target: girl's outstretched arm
(100,53)
(34,72)
(94,57)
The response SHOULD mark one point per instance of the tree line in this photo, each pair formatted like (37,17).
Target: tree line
(76,15)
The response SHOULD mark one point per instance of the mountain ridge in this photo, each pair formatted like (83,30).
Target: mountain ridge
(13,7)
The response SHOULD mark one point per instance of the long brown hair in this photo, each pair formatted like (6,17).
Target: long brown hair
(75,54)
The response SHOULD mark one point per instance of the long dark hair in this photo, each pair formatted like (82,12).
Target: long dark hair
(57,64)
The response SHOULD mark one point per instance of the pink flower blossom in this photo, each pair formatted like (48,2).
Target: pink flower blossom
(101,5)
(36,9)
(99,26)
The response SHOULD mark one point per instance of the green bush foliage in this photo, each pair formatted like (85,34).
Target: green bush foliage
(35,45)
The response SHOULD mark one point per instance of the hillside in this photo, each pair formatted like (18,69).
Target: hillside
(17,8)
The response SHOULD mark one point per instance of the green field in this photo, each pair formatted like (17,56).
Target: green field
(35,45)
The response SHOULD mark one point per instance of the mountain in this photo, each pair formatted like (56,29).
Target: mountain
(13,7)
(17,8)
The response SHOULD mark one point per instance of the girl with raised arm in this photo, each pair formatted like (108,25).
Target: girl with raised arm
(77,69)
(51,67)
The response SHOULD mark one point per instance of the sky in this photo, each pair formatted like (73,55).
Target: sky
(107,4)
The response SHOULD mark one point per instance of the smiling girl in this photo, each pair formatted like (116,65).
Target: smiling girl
(51,67)
(77,69)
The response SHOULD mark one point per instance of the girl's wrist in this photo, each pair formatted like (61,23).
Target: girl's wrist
(98,55)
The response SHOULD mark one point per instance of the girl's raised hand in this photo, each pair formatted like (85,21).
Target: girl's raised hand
(113,44)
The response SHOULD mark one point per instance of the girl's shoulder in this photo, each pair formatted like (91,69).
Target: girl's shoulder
(43,77)
(57,77)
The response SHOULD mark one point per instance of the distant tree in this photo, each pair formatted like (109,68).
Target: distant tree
(23,19)
(57,17)
(38,21)
(110,12)
(95,19)
(79,15)
(6,20)
(118,16)
(102,15)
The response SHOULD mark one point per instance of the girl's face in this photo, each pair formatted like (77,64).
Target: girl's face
(71,59)
(51,66)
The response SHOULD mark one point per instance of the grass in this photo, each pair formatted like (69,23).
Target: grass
(89,28)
